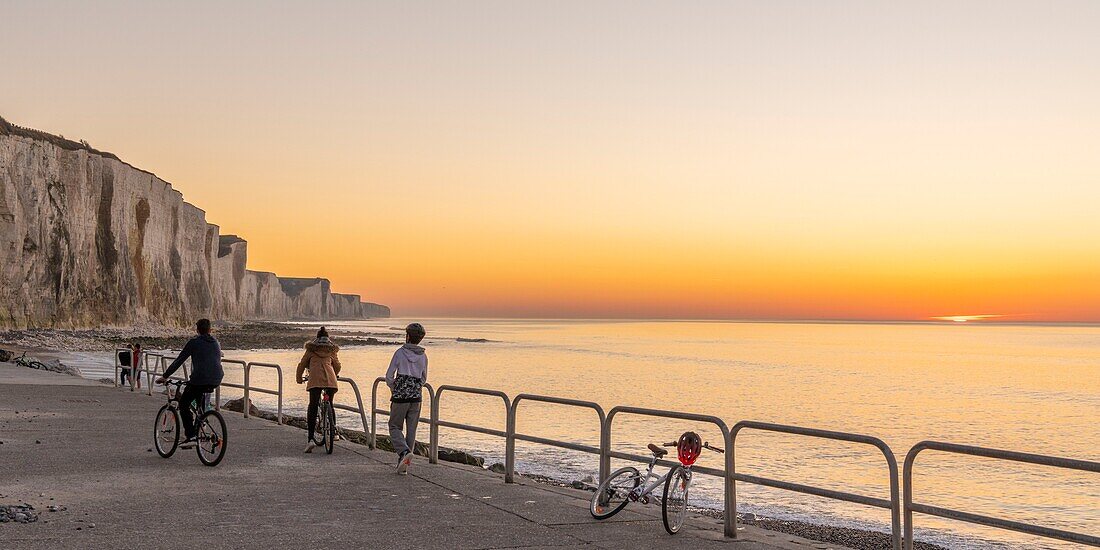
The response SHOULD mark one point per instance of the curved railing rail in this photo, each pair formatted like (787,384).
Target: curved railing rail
(142,367)
(433,448)
(358,401)
(1042,460)
(162,366)
(891,462)
(510,449)
(151,367)
(218,391)
(250,388)
(375,411)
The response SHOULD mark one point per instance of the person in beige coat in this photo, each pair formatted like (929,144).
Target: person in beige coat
(323,362)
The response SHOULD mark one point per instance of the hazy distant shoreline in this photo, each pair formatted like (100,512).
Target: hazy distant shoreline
(233,336)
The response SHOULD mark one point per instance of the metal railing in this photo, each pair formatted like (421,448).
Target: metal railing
(433,452)
(891,462)
(1042,460)
(374,411)
(510,449)
(142,367)
(161,366)
(899,508)
(250,388)
(134,369)
(218,391)
(358,400)
(151,358)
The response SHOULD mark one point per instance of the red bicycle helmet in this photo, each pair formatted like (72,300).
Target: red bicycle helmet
(688,448)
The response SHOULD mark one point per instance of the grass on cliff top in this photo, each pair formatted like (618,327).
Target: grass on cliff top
(7,128)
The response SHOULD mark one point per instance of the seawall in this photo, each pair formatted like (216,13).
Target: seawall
(88,240)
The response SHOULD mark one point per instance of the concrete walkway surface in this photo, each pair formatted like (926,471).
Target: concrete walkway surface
(88,447)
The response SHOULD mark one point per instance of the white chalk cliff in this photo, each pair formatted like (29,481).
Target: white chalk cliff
(88,240)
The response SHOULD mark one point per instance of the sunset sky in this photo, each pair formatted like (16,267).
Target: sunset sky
(745,160)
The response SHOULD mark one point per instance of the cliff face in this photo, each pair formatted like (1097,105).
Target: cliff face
(88,240)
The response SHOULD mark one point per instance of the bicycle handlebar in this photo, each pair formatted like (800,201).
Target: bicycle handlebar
(707,445)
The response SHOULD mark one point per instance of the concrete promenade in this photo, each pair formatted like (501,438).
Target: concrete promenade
(88,447)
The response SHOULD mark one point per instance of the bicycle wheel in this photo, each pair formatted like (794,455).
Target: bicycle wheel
(330,425)
(675,500)
(611,495)
(319,432)
(166,431)
(212,438)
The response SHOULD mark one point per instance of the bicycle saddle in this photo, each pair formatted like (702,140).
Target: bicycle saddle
(657,451)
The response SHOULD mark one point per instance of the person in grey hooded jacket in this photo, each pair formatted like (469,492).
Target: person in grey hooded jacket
(406,376)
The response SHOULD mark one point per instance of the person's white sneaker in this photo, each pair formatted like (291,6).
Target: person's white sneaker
(403,463)
(189,443)
(310,446)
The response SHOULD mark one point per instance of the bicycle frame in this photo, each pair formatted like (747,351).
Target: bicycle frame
(643,490)
(198,406)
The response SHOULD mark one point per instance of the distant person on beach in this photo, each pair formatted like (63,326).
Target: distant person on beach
(126,360)
(406,376)
(206,374)
(321,358)
(130,360)
(135,363)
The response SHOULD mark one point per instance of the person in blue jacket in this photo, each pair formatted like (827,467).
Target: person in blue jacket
(206,374)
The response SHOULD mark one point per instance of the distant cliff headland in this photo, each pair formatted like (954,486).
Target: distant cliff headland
(87,240)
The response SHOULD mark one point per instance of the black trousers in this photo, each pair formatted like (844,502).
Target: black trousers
(123,375)
(311,411)
(191,393)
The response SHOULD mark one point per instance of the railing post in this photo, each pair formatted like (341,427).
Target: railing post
(433,437)
(245,406)
(373,415)
(280,417)
(605,450)
(510,444)
(895,502)
(907,484)
(433,453)
(118,366)
(730,517)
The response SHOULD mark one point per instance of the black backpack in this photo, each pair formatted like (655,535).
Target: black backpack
(124,358)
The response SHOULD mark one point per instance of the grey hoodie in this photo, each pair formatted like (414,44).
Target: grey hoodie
(407,373)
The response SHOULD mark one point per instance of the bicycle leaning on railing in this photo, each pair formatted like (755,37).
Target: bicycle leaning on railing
(211,435)
(627,484)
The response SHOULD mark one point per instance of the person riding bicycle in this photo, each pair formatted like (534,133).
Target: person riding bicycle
(206,374)
(323,362)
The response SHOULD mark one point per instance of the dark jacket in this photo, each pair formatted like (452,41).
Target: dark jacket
(206,361)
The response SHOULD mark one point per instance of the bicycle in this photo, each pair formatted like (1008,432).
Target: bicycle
(211,435)
(627,484)
(22,361)
(326,421)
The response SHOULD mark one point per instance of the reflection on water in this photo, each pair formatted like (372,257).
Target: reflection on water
(1027,388)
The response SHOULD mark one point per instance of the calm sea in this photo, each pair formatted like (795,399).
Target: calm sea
(1026,388)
